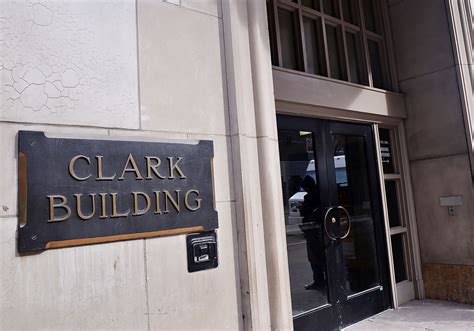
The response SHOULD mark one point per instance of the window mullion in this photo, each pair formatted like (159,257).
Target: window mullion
(344,45)
(388,45)
(289,4)
(277,33)
(398,230)
(326,53)
(385,65)
(344,52)
(394,176)
(373,35)
(302,37)
(352,41)
(365,44)
(300,60)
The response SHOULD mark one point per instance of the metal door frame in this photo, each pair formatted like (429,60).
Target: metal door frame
(335,311)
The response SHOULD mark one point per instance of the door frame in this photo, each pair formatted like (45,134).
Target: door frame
(359,299)
(414,290)
(368,302)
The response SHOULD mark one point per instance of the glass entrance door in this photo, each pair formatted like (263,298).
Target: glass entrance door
(336,252)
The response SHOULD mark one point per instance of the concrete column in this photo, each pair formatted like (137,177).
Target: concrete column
(270,184)
(255,296)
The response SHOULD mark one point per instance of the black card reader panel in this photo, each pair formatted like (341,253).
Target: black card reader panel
(202,251)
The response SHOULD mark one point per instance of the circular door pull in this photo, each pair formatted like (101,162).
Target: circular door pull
(329,234)
(326,218)
(348,220)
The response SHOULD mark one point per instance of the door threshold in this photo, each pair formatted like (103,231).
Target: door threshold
(348,327)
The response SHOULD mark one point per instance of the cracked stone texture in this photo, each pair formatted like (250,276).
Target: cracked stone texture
(69,62)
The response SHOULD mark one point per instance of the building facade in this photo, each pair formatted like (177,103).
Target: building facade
(343,156)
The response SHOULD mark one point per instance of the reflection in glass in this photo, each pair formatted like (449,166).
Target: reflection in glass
(392,203)
(349,11)
(271,27)
(314,4)
(312,45)
(332,37)
(399,258)
(369,15)
(376,64)
(354,57)
(287,38)
(331,8)
(303,219)
(360,253)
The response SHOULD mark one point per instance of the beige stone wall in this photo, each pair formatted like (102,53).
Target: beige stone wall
(437,140)
(183,94)
(116,68)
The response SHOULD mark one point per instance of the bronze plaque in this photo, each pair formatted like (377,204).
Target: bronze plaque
(83,191)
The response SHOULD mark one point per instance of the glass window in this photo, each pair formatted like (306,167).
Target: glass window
(369,15)
(333,40)
(312,37)
(314,4)
(339,39)
(399,258)
(376,64)
(395,205)
(271,26)
(392,203)
(349,11)
(353,193)
(331,7)
(354,55)
(303,220)
(287,39)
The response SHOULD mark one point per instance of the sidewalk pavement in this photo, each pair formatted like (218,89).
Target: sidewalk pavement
(421,315)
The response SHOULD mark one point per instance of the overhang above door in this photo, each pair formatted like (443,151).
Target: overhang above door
(296,87)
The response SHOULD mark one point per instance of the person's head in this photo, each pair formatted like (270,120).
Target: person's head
(308,183)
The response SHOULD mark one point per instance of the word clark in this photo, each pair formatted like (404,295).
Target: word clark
(103,205)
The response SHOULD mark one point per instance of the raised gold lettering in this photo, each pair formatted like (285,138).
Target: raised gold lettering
(53,205)
(100,174)
(196,200)
(79,210)
(136,210)
(103,209)
(134,168)
(116,214)
(157,202)
(174,167)
(72,171)
(153,167)
(175,203)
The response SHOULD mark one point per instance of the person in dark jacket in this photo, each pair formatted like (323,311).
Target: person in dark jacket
(310,210)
